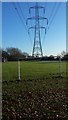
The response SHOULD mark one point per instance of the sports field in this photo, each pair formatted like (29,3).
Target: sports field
(40,94)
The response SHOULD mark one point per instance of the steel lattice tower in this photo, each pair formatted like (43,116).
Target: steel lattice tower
(37,47)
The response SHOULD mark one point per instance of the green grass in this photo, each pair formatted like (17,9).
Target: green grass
(32,70)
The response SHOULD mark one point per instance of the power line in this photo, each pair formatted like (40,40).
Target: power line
(28,5)
(30,16)
(54,7)
(24,19)
(31,22)
(57,8)
(21,16)
(15,7)
(21,10)
(43,21)
(45,4)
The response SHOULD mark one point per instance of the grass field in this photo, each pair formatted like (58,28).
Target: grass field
(40,95)
(32,70)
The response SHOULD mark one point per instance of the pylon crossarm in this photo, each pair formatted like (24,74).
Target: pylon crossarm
(30,29)
(34,18)
(36,7)
(44,29)
(45,19)
(35,27)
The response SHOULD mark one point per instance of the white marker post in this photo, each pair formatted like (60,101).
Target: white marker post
(59,66)
(19,77)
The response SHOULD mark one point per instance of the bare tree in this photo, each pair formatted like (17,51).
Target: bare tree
(15,53)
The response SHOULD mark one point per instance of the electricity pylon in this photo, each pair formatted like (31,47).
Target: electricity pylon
(37,47)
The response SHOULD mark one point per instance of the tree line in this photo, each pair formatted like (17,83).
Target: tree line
(15,54)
